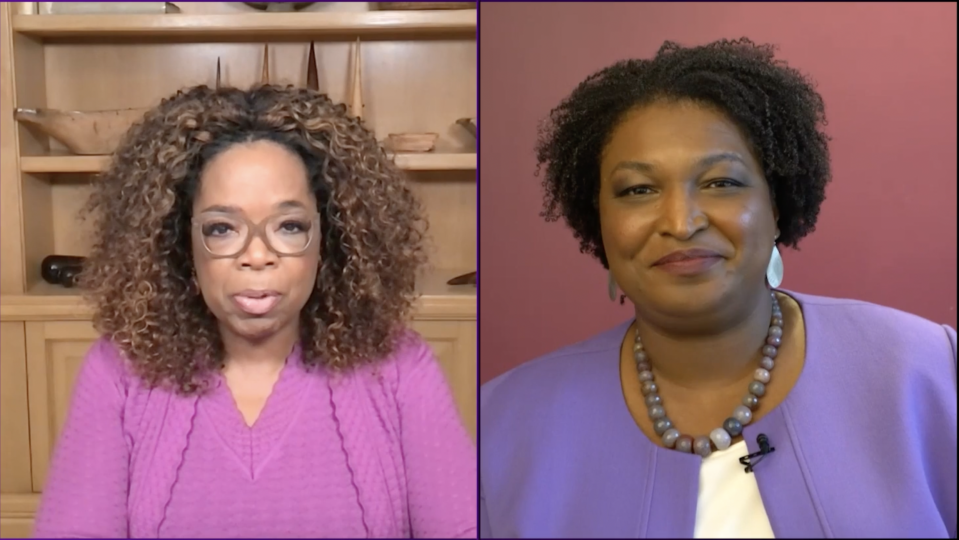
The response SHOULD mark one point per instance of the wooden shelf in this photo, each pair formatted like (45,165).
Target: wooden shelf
(45,302)
(95,164)
(436,162)
(442,302)
(250,25)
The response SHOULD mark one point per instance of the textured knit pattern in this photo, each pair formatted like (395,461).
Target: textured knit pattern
(295,429)
(380,452)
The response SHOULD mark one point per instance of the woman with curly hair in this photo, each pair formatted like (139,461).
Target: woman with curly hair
(681,175)
(254,262)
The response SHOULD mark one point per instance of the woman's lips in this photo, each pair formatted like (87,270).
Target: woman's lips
(256,302)
(689,267)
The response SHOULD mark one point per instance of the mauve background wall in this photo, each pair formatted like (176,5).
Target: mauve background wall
(886,233)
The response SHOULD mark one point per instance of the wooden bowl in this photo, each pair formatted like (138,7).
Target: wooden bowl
(407,6)
(85,133)
(412,142)
(279,6)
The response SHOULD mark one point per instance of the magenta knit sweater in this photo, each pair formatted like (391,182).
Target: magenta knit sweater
(380,452)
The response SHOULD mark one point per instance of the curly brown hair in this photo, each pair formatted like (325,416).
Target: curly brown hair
(139,274)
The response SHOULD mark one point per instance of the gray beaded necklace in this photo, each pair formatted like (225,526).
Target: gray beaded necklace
(721,437)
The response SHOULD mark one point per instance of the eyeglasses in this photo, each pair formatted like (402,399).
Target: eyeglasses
(226,235)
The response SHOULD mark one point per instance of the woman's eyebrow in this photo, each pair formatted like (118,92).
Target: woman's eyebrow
(221,208)
(291,203)
(702,163)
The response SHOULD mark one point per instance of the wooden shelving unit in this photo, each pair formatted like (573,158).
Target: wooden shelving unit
(419,75)
(373,24)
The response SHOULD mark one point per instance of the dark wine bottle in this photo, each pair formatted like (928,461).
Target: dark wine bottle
(53,265)
(68,275)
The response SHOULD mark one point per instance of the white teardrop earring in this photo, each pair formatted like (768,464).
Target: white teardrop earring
(612,287)
(774,271)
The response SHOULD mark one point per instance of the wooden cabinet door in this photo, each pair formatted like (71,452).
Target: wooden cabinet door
(14,415)
(17,505)
(454,343)
(55,352)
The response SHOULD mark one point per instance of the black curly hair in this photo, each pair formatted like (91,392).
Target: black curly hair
(776,107)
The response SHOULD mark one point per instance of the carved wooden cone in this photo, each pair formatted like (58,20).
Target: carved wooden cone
(312,78)
(218,73)
(265,78)
(356,98)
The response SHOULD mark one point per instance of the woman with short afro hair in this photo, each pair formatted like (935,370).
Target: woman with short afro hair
(682,175)
(253,267)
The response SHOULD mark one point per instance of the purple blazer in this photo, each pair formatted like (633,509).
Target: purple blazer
(865,442)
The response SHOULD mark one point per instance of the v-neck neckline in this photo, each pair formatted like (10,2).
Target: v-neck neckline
(253,445)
